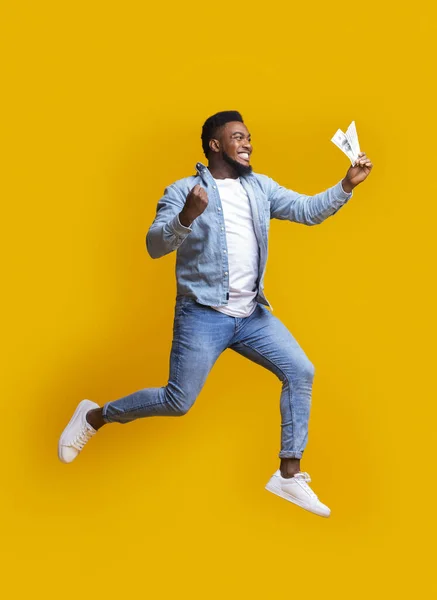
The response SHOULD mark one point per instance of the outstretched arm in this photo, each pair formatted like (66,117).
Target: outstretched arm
(311,210)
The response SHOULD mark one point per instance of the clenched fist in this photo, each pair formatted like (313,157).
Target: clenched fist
(195,204)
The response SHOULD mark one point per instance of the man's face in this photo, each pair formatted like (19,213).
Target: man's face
(236,147)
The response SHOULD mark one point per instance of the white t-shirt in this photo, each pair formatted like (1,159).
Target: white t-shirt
(243,251)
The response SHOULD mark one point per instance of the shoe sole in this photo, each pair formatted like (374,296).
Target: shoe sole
(276,489)
(73,419)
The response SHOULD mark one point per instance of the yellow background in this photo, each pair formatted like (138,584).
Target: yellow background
(103,107)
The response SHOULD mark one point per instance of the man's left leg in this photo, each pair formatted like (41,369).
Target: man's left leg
(266,341)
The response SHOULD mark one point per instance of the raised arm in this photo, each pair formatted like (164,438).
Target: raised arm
(167,233)
(174,216)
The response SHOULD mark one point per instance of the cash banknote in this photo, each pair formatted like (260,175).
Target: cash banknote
(348,142)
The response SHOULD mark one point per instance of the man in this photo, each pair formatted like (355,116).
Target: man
(218,221)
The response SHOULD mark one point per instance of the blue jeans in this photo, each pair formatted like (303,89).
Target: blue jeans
(200,335)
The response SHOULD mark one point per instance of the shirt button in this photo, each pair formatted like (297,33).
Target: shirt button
(222,228)
(224,251)
(219,209)
(214,187)
(226,273)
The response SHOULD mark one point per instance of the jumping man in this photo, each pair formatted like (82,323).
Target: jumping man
(218,222)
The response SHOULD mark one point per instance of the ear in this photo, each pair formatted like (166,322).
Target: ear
(214,145)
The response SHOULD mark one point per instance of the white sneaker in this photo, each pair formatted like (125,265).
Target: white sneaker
(77,433)
(295,489)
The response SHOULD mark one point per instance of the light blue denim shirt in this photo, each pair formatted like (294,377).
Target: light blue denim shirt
(202,269)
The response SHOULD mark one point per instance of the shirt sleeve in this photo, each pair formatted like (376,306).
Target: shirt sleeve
(289,205)
(167,232)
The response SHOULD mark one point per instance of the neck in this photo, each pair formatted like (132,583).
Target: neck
(222,170)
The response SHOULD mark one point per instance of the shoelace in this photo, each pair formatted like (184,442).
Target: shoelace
(302,477)
(81,439)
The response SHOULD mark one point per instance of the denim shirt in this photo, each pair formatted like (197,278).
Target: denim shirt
(202,269)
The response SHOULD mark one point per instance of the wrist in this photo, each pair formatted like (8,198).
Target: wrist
(347,185)
(185,219)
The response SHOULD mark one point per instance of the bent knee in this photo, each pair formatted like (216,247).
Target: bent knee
(179,408)
(302,370)
(307,370)
(182,409)
(178,403)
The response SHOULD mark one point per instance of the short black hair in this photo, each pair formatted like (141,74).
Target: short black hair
(214,122)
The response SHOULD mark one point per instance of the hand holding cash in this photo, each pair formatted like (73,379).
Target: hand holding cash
(361,165)
(348,142)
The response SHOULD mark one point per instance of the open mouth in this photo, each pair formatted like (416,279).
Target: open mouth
(244,155)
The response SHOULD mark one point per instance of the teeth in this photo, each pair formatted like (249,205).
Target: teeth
(244,155)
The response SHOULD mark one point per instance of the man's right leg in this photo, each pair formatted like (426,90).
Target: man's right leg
(200,334)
